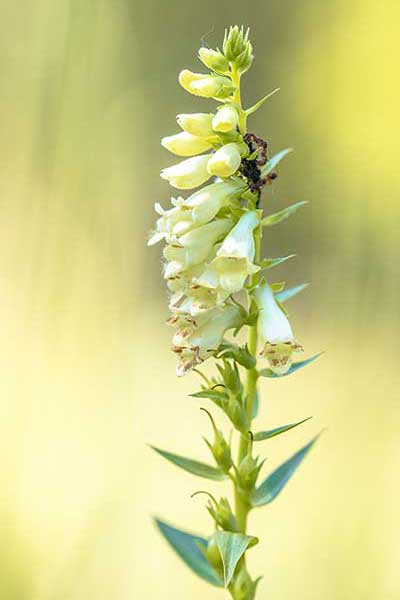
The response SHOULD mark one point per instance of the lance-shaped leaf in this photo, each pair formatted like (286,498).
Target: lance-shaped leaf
(258,104)
(266,435)
(268,263)
(189,548)
(192,466)
(274,161)
(274,483)
(213,395)
(282,214)
(256,404)
(232,546)
(293,368)
(290,292)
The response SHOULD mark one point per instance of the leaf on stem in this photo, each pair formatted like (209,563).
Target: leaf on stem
(276,481)
(290,292)
(232,546)
(266,435)
(274,161)
(189,548)
(280,216)
(294,367)
(192,466)
(268,263)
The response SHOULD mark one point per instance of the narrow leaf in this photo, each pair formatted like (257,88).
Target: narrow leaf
(290,292)
(268,263)
(232,546)
(256,404)
(274,161)
(192,466)
(214,395)
(295,367)
(188,547)
(274,483)
(265,435)
(282,214)
(258,104)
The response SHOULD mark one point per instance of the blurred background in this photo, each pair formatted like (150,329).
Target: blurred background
(87,379)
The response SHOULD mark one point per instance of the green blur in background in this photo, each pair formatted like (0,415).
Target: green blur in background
(88,87)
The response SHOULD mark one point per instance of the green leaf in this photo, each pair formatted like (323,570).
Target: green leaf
(258,104)
(214,395)
(282,214)
(266,435)
(188,547)
(295,367)
(290,292)
(274,483)
(274,161)
(232,546)
(192,466)
(268,263)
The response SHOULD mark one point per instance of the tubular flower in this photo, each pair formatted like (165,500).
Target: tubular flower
(275,331)
(195,343)
(207,86)
(172,223)
(225,162)
(226,119)
(199,124)
(194,247)
(213,59)
(185,144)
(228,271)
(189,173)
(207,202)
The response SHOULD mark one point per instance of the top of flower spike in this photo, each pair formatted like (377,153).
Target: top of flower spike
(237,48)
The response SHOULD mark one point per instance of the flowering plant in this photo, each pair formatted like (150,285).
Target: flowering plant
(218,285)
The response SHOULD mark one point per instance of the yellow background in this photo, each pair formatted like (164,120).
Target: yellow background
(87,380)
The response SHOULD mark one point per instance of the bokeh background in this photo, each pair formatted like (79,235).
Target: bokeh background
(87,380)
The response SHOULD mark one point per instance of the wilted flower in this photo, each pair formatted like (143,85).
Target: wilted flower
(225,161)
(185,144)
(275,331)
(189,173)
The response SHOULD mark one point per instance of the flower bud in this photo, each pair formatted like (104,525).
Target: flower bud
(236,413)
(213,554)
(237,48)
(220,448)
(275,331)
(185,144)
(248,471)
(226,119)
(223,515)
(189,173)
(197,124)
(242,587)
(213,59)
(206,86)
(225,161)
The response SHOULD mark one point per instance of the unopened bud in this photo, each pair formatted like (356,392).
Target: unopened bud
(185,144)
(222,514)
(206,86)
(220,448)
(199,124)
(242,587)
(213,59)
(213,554)
(248,471)
(225,161)
(226,119)
(237,48)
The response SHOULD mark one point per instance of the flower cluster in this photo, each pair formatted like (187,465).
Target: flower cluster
(210,249)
